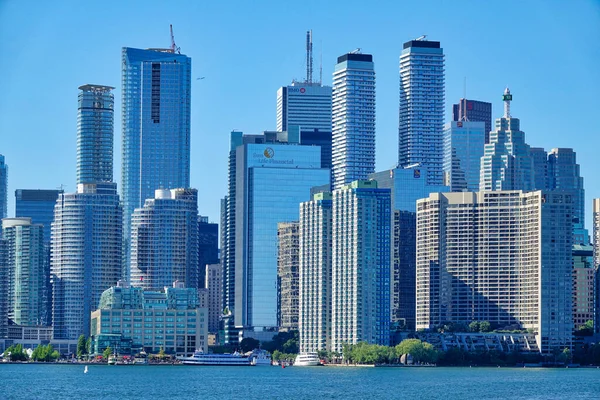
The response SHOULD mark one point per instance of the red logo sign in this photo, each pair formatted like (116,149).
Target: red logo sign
(302,90)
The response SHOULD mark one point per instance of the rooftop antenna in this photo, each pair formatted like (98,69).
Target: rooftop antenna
(309,56)
(321,65)
(463,106)
(355,51)
(507,98)
(174,48)
(421,38)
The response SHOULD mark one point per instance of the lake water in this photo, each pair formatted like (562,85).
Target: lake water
(189,382)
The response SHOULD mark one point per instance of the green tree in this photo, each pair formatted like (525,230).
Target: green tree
(81,346)
(485,326)
(107,352)
(88,346)
(474,326)
(249,344)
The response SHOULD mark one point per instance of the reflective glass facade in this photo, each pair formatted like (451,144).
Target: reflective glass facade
(38,205)
(272,180)
(156,125)
(474,110)
(95,121)
(3,188)
(463,148)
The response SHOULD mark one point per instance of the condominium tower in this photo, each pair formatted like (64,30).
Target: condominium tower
(3,188)
(503,257)
(156,126)
(164,240)
(353,118)
(596,243)
(314,307)
(420,132)
(213,284)
(288,248)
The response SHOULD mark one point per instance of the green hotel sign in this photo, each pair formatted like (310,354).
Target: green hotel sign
(507,97)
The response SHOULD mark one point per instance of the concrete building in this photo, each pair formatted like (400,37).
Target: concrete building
(361,215)
(353,118)
(507,163)
(474,111)
(164,240)
(464,142)
(288,264)
(596,244)
(156,132)
(420,132)
(27,272)
(315,279)
(170,320)
(208,247)
(3,188)
(583,284)
(3,288)
(214,295)
(503,257)
(269,175)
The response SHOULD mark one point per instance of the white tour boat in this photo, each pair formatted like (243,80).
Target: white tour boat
(307,360)
(201,358)
(260,357)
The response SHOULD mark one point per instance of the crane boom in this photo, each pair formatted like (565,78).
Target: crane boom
(174,47)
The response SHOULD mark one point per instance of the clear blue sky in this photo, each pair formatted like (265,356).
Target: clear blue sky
(546,51)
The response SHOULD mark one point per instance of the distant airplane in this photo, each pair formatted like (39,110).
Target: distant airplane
(199,79)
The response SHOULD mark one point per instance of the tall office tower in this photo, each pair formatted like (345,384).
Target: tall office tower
(361,215)
(463,148)
(213,282)
(314,308)
(27,271)
(288,248)
(3,288)
(39,205)
(420,132)
(403,290)
(507,163)
(353,119)
(87,231)
(305,104)
(540,168)
(583,284)
(269,175)
(155,149)
(596,244)
(164,240)
(208,247)
(86,245)
(95,120)
(474,111)
(564,174)
(503,257)
(3,188)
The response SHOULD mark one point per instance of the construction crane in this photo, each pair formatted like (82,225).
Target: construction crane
(174,47)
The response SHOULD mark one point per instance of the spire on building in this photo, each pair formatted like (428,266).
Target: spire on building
(507,98)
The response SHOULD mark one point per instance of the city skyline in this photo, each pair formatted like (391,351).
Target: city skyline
(211,103)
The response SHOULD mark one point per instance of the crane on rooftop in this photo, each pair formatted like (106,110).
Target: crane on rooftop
(174,47)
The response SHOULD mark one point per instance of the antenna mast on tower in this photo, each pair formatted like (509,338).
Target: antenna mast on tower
(309,57)
(174,47)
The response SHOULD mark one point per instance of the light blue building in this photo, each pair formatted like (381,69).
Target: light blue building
(37,204)
(156,126)
(421,111)
(3,188)
(271,181)
(95,121)
(464,142)
(353,118)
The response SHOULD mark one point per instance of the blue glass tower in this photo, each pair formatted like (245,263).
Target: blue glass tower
(156,126)
(38,205)
(3,188)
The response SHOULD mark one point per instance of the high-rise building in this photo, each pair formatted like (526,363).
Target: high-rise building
(27,272)
(583,284)
(353,118)
(304,104)
(38,205)
(87,235)
(420,132)
(464,142)
(214,287)
(474,111)
(269,175)
(156,132)
(361,215)
(95,120)
(404,259)
(3,188)
(3,287)
(503,257)
(540,168)
(164,240)
(288,248)
(87,231)
(208,247)
(596,244)
(507,163)
(314,308)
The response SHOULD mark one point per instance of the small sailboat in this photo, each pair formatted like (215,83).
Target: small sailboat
(85,370)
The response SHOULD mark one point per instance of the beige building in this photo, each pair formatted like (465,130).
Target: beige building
(214,295)
(287,275)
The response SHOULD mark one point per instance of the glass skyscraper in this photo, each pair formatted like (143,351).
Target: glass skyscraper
(208,248)
(3,188)
(474,111)
(353,118)
(95,120)
(464,142)
(421,123)
(164,240)
(27,272)
(156,126)
(37,204)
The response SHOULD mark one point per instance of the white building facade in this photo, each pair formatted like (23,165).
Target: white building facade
(304,104)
